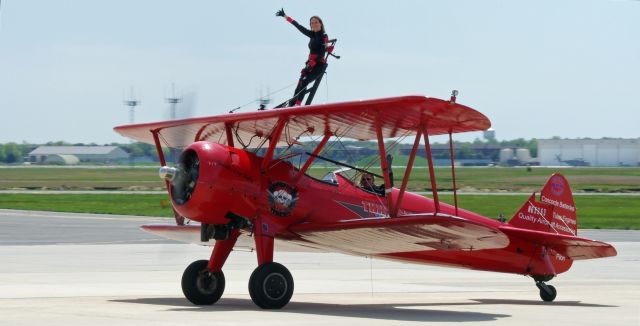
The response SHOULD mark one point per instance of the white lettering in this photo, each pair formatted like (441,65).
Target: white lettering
(567,220)
(557,203)
(537,210)
(527,218)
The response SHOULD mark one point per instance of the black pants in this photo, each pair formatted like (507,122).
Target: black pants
(306,76)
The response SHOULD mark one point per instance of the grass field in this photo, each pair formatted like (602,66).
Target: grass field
(517,179)
(597,211)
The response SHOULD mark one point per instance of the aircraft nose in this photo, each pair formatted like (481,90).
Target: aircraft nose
(168,173)
(183,178)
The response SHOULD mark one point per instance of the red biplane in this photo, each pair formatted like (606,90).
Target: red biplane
(235,190)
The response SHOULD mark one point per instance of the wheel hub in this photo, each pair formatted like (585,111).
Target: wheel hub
(206,283)
(275,286)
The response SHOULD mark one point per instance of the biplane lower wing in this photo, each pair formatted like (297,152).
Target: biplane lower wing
(191,234)
(576,248)
(180,233)
(409,233)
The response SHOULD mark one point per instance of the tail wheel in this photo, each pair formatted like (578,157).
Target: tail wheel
(547,292)
(201,286)
(271,286)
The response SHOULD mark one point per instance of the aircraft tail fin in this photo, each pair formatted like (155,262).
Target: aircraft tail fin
(554,213)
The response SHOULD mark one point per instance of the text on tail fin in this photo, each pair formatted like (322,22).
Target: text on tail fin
(554,213)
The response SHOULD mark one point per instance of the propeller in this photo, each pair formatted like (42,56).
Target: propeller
(180,107)
(184,177)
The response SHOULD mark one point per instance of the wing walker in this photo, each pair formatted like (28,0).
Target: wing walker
(235,180)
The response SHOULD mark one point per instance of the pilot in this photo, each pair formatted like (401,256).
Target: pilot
(367,182)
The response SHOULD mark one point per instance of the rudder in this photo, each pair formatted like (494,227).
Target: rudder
(554,213)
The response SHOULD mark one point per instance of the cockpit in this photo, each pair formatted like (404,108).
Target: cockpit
(360,178)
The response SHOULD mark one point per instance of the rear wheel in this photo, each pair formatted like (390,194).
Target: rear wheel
(271,286)
(201,286)
(548,292)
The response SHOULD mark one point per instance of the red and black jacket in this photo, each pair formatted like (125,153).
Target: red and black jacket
(318,44)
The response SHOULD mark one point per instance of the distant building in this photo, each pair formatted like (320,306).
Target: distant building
(75,154)
(483,149)
(61,159)
(589,152)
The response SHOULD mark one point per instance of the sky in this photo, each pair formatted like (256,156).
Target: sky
(537,69)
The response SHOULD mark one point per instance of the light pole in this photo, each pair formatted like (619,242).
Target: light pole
(131,103)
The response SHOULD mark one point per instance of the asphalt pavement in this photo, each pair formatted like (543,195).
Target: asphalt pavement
(80,269)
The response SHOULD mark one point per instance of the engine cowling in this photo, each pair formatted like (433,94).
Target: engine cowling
(210,181)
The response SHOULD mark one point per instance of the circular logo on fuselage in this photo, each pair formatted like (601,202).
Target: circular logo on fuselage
(557,185)
(282,198)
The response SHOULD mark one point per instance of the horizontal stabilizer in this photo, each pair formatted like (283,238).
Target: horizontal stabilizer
(570,246)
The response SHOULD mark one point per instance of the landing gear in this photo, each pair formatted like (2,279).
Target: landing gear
(271,286)
(547,292)
(201,286)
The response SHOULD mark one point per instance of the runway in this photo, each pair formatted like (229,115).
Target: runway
(62,269)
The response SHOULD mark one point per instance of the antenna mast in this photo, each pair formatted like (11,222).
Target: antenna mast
(131,103)
(173,101)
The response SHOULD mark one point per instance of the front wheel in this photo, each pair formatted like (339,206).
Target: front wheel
(271,286)
(201,286)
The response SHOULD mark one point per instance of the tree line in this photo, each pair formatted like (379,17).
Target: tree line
(13,153)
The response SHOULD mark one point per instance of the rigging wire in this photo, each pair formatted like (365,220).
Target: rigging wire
(267,95)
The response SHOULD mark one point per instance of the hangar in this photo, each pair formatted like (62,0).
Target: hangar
(92,154)
(589,152)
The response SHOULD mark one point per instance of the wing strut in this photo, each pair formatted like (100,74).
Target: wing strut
(227,128)
(434,187)
(453,172)
(273,141)
(407,173)
(384,163)
(313,156)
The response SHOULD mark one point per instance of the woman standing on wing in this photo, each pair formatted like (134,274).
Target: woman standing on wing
(318,47)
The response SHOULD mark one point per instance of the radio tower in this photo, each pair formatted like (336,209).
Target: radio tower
(173,102)
(131,103)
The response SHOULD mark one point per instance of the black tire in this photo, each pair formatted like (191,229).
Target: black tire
(548,296)
(271,286)
(200,286)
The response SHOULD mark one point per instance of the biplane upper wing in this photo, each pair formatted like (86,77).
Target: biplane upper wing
(408,233)
(397,116)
